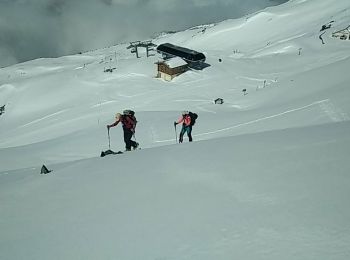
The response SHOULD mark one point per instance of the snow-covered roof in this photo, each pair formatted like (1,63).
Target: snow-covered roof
(175,62)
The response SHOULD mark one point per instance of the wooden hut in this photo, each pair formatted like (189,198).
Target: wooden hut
(169,69)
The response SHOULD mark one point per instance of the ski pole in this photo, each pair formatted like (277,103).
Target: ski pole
(109,141)
(175,132)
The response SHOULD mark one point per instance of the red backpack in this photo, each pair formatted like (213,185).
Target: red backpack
(129,119)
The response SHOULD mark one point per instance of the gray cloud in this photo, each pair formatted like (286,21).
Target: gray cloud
(31,29)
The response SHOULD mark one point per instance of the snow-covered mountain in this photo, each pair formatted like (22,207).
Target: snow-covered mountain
(267,176)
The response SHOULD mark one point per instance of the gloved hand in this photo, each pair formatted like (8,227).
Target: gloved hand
(108,126)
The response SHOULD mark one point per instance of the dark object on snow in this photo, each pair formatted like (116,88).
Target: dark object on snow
(244,91)
(320,37)
(108,152)
(109,70)
(325,27)
(44,170)
(2,109)
(220,60)
(218,101)
(190,56)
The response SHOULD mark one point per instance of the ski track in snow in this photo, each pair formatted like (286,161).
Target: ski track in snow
(265,118)
(103,103)
(43,118)
(320,103)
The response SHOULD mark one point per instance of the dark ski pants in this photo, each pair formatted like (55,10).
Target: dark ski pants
(188,130)
(127,139)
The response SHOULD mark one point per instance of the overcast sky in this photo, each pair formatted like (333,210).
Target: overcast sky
(32,29)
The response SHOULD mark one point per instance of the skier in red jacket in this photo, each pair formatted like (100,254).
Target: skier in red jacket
(185,119)
(129,124)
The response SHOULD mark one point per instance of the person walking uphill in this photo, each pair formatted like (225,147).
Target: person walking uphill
(187,119)
(128,122)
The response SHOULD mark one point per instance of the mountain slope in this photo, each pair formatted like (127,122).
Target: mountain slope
(280,194)
(266,177)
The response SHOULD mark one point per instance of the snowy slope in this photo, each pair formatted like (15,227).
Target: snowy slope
(266,178)
(280,194)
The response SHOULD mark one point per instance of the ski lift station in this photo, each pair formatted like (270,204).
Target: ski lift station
(190,56)
(148,45)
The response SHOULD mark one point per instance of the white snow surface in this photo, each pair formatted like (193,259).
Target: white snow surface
(175,62)
(268,173)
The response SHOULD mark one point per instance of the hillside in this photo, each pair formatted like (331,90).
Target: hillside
(267,176)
